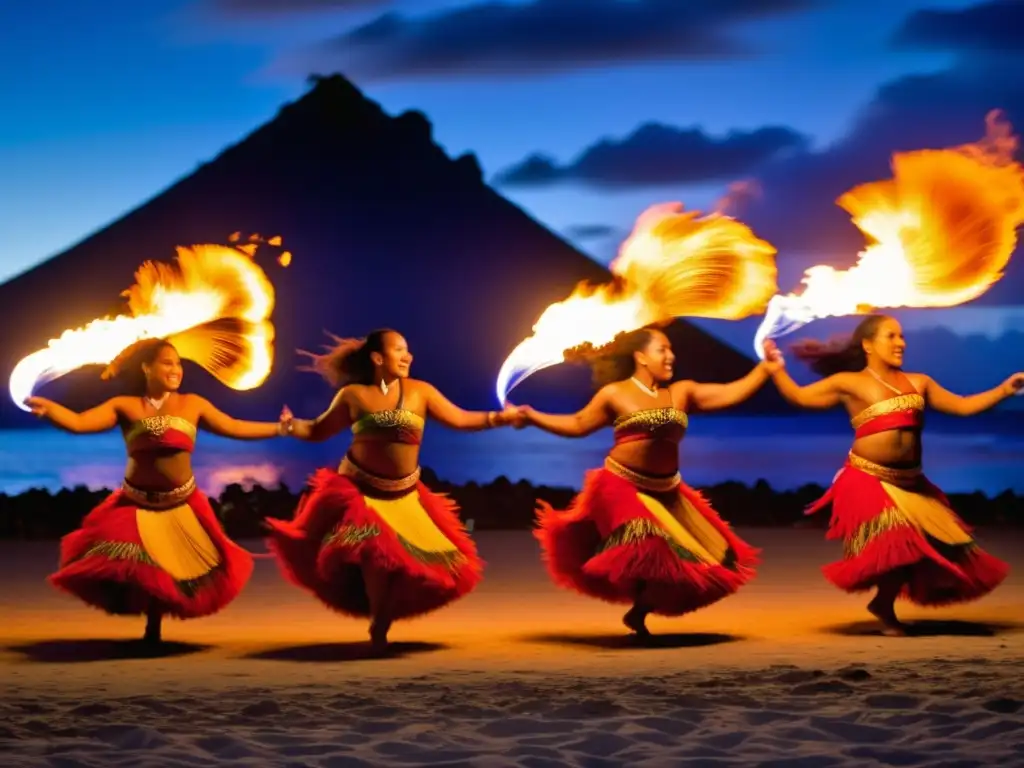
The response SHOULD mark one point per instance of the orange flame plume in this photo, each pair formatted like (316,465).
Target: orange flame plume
(941,231)
(214,305)
(675,263)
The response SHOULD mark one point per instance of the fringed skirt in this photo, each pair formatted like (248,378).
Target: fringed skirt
(896,520)
(627,534)
(140,552)
(350,522)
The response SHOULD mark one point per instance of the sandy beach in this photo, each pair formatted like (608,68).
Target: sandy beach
(789,672)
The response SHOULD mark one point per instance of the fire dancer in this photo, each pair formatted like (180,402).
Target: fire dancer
(899,533)
(154,547)
(370,539)
(637,534)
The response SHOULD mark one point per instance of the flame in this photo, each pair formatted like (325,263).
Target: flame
(214,305)
(674,263)
(942,230)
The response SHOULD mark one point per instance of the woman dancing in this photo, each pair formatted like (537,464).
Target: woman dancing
(154,547)
(898,530)
(370,539)
(637,534)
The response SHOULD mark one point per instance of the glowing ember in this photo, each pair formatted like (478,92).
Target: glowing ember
(214,304)
(941,230)
(674,263)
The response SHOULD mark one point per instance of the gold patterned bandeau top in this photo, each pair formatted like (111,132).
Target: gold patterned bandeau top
(651,424)
(160,433)
(905,411)
(394,426)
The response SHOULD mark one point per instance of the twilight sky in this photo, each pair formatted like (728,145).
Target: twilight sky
(582,111)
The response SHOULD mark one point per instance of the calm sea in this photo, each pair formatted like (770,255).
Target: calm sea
(984,453)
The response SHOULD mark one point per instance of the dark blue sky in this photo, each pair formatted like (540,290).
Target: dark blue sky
(107,102)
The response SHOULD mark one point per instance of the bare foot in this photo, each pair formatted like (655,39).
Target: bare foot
(379,635)
(635,619)
(891,626)
(154,622)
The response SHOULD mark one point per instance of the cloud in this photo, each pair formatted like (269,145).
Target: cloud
(497,38)
(590,231)
(797,210)
(282,7)
(658,155)
(965,363)
(987,27)
(970,320)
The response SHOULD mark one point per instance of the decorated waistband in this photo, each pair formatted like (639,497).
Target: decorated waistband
(907,476)
(159,499)
(643,482)
(386,484)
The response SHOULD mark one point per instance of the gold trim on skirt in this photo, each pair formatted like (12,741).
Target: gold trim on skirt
(404,515)
(385,484)
(159,499)
(644,482)
(902,477)
(171,534)
(679,521)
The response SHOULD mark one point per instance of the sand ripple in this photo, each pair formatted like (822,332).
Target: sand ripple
(957,713)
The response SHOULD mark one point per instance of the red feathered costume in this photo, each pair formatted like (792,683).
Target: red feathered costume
(342,526)
(891,519)
(351,520)
(140,552)
(626,532)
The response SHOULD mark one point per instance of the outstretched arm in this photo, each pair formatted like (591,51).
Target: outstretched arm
(594,415)
(219,423)
(445,411)
(820,395)
(99,419)
(716,397)
(944,401)
(337,417)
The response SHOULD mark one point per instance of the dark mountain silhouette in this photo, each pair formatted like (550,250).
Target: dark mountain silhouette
(386,230)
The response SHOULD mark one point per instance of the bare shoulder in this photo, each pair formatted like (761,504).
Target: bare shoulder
(193,407)
(611,397)
(851,382)
(681,388)
(192,403)
(610,392)
(126,407)
(420,392)
(345,401)
(680,392)
(354,394)
(417,385)
(919,380)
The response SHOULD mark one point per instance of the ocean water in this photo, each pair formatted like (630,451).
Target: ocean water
(984,453)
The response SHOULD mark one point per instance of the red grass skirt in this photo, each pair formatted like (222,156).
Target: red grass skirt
(336,535)
(105,563)
(608,545)
(880,535)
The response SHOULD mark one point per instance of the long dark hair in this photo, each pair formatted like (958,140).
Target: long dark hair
(347,361)
(613,361)
(845,354)
(127,366)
